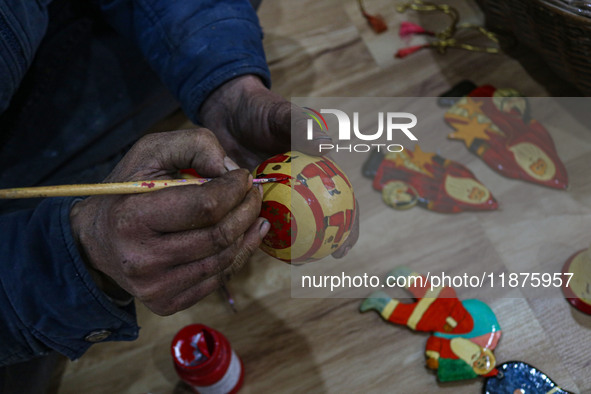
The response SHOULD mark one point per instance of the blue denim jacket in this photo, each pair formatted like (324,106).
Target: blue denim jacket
(47,298)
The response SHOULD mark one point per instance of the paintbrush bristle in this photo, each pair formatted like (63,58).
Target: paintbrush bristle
(267,180)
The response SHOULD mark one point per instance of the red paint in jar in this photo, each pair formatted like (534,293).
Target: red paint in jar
(204,359)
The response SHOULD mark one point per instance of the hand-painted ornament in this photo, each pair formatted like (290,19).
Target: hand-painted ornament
(496,125)
(311,212)
(464,333)
(578,291)
(409,178)
(516,377)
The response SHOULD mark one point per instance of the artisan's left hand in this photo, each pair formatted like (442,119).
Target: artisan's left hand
(253,123)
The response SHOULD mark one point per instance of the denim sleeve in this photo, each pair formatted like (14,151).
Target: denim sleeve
(22,26)
(195,46)
(47,298)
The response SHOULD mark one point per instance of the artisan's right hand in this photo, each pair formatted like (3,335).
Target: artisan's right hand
(172,247)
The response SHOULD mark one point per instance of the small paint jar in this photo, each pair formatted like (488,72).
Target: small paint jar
(204,359)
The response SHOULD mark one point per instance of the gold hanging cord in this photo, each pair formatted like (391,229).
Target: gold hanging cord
(445,37)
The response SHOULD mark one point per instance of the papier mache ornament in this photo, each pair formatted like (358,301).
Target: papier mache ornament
(578,290)
(464,333)
(410,178)
(496,125)
(517,377)
(311,211)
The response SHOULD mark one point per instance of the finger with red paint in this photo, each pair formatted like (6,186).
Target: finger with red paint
(171,247)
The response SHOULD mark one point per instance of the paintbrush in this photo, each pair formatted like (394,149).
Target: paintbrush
(227,296)
(93,189)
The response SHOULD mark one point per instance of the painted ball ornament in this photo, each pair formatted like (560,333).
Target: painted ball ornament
(311,209)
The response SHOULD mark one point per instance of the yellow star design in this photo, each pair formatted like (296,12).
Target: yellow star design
(398,158)
(469,131)
(471,106)
(421,158)
(415,163)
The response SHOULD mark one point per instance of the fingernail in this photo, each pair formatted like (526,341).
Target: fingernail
(249,180)
(229,164)
(346,251)
(264,229)
(260,187)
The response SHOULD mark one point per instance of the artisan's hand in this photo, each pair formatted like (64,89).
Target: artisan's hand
(172,247)
(253,123)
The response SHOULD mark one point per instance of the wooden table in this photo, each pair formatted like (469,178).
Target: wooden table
(325,48)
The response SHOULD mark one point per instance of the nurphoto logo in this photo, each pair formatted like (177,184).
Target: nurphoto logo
(389,121)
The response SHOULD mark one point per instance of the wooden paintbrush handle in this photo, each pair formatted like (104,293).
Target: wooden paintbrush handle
(96,188)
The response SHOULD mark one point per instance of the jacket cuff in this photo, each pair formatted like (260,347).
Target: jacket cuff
(56,302)
(194,46)
(233,47)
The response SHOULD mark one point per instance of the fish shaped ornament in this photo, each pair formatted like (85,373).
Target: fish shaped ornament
(496,125)
(410,178)
(517,377)
(463,333)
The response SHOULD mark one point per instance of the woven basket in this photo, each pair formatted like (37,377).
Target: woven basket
(559,35)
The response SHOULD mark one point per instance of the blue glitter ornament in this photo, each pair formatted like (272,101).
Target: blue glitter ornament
(517,377)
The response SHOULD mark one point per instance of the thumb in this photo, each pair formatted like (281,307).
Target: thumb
(163,154)
(306,128)
(198,149)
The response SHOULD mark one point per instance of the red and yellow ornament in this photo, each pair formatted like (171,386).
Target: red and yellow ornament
(578,291)
(311,211)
